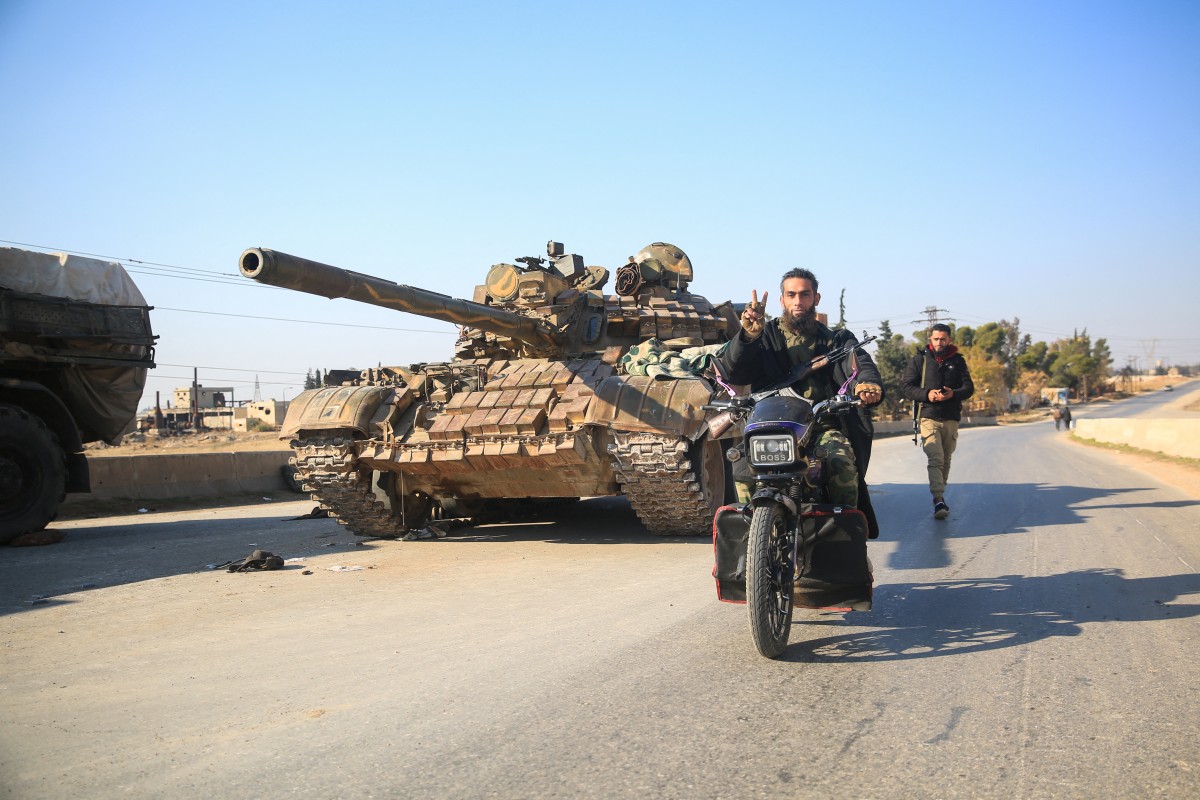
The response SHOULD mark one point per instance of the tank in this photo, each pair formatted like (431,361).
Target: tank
(536,404)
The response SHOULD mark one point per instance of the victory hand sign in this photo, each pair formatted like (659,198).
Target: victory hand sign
(752,316)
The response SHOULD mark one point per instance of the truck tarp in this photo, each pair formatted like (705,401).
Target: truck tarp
(103,398)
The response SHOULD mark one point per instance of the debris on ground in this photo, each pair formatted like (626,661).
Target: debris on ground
(430,531)
(339,568)
(257,561)
(316,513)
(37,539)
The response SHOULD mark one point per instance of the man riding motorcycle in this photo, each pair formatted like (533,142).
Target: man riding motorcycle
(764,351)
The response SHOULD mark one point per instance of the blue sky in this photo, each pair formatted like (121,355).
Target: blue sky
(1037,160)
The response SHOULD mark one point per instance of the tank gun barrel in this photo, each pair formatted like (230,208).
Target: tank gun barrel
(300,274)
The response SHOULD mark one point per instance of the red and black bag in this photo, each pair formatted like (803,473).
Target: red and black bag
(833,571)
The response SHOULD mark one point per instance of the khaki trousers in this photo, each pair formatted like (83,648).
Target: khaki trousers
(938,440)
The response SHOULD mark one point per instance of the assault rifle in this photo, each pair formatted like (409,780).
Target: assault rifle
(802,371)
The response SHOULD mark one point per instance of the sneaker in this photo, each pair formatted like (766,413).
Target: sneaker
(940,510)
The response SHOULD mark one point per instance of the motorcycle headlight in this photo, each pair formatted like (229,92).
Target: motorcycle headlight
(772,450)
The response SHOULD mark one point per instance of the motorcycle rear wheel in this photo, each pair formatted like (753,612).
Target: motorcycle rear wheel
(769,574)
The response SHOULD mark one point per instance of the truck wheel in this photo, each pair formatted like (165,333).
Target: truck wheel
(291,478)
(33,473)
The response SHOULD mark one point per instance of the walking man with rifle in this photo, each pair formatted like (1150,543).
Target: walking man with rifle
(937,380)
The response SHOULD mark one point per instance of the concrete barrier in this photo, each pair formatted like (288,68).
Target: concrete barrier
(1173,437)
(163,476)
(904,427)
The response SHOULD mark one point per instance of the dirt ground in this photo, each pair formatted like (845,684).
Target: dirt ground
(1184,477)
(207,442)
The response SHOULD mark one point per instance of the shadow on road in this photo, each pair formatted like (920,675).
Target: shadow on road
(121,550)
(989,509)
(591,521)
(947,618)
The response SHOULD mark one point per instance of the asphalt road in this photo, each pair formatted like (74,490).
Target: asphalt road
(1159,404)
(1040,643)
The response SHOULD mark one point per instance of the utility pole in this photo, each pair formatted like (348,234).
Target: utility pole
(257,391)
(931,318)
(196,423)
(1149,351)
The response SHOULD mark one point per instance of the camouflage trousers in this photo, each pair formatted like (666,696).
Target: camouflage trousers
(841,472)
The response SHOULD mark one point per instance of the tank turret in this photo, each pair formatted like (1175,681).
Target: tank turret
(302,275)
(547,307)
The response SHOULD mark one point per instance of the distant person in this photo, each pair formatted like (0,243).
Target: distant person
(937,380)
(1066,418)
(1056,412)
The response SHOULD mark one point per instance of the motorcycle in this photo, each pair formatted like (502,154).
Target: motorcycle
(789,545)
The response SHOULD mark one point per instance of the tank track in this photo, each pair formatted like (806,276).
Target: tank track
(661,483)
(325,469)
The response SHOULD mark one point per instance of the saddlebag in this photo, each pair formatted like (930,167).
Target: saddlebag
(833,570)
(730,529)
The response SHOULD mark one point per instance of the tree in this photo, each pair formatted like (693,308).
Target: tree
(892,353)
(312,381)
(1030,383)
(989,375)
(1078,364)
(1033,357)
(841,323)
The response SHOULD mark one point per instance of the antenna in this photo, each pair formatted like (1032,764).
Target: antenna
(257,391)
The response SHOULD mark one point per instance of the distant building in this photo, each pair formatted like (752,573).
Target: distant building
(208,396)
(1055,395)
(215,406)
(268,412)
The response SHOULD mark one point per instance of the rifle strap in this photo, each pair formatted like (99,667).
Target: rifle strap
(917,405)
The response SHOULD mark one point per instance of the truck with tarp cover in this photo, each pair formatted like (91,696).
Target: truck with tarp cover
(75,346)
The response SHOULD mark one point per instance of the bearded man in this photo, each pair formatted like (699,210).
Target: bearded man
(766,350)
(937,380)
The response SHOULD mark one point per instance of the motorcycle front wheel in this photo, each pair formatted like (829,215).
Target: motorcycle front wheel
(769,574)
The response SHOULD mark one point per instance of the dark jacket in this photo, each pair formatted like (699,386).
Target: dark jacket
(762,361)
(924,372)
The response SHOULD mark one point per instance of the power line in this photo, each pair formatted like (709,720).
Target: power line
(113,258)
(217,277)
(229,369)
(153,376)
(304,321)
(225,282)
(157,269)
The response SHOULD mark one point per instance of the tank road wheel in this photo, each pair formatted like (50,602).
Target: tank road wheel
(33,474)
(674,485)
(409,510)
(715,474)
(769,575)
(326,467)
(473,509)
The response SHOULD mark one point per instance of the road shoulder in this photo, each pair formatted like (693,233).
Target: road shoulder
(1181,476)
